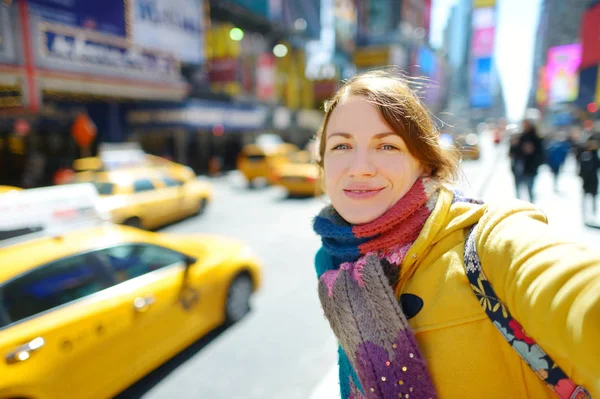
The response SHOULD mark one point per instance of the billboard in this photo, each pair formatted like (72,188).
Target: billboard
(107,16)
(598,88)
(483,41)
(588,83)
(561,73)
(176,26)
(482,50)
(258,7)
(483,3)
(590,37)
(483,18)
(481,83)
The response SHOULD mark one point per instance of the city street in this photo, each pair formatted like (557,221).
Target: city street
(284,348)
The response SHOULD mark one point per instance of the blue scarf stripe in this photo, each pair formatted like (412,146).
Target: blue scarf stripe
(339,241)
(326,228)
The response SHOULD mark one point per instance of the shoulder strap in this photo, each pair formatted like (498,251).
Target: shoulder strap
(512,331)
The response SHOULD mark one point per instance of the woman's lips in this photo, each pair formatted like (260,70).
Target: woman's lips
(362,194)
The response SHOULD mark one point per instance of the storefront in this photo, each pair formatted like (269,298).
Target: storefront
(197,132)
(11,73)
(80,59)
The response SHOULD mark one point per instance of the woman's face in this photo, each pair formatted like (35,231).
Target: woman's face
(367,166)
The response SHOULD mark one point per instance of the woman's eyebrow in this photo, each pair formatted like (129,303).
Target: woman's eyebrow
(384,134)
(343,134)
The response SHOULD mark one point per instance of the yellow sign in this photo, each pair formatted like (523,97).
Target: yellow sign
(598,88)
(10,96)
(483,3)
(372,57)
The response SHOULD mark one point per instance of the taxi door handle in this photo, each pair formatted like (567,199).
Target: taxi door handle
(142,303)
(23,352)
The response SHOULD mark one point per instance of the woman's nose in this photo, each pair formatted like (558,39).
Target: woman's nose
(361,164)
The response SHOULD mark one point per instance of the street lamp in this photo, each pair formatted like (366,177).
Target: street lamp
(280,50)
(236,34)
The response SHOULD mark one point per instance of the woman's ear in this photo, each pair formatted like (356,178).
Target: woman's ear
(425,171)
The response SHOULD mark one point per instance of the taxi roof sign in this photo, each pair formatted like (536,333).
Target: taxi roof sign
(48,211)
(121,155)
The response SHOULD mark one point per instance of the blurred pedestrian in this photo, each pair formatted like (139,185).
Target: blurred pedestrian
(531,153)
(516,161)
(419,283)
(589,165)
(556,153)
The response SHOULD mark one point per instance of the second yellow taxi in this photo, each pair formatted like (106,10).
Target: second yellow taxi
(149,198)
(299,176)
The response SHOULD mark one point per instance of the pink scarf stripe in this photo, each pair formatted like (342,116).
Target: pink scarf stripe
(411,201)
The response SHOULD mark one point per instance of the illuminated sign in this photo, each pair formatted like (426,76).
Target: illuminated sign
(483,3)
(176,26)
(68,46)
(562,72)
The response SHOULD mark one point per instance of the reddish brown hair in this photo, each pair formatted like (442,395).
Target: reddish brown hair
(406,116)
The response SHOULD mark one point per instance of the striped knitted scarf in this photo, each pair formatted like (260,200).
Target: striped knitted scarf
(358,299)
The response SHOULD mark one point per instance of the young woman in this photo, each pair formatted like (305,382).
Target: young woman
(412,318)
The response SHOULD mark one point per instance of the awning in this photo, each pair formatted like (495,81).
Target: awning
(199,114)
(11,75)
(56,83)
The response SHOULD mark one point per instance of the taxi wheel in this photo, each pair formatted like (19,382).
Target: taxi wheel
(202,206)
(133,222)
(238,298)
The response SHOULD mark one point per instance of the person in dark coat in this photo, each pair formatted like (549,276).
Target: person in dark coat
(531,154)
(589,165)
(516,161)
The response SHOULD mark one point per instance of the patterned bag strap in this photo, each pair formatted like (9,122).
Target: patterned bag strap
(512,331)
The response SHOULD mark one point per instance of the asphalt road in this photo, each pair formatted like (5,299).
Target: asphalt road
(283,348)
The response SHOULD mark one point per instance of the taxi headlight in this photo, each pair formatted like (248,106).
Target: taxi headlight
(247,252)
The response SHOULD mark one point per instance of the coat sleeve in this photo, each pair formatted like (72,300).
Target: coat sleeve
(551,286)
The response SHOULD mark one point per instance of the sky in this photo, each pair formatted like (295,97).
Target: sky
(515,37)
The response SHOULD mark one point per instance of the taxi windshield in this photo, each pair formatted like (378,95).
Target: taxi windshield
(104,188)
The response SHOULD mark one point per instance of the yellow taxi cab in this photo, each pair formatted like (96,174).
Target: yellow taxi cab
(299,176)
(86,312)
(258,160)
(8,189)
(148,197)
(113,156)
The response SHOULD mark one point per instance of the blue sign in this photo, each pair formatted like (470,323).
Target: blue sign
(427,62)
(259,7)
(107,16)
(481,83)
(70,48)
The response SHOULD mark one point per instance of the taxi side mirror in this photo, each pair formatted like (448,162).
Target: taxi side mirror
(189,261)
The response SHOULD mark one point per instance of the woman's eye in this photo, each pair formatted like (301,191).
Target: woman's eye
(341,147)
(388,147)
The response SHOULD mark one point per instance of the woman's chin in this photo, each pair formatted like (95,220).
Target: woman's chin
(360,216)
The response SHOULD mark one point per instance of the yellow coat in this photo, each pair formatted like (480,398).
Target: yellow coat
(550,285)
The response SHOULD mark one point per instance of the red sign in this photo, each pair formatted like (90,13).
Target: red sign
(265,77)
(590,37)
(21,127)
(83,131)
(224,70)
